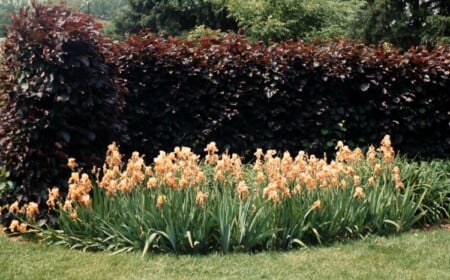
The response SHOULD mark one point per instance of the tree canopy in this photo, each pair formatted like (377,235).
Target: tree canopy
(173,16)
(104,9)
(273,20)
(7,7)
(405,23)
(268,20)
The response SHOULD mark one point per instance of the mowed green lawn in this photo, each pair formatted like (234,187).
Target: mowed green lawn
(413,255)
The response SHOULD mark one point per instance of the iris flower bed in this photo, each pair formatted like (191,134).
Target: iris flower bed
(184,204)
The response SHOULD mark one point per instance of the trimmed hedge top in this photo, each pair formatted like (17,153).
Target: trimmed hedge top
(292,95)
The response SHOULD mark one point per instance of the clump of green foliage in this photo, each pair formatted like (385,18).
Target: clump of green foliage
(181,205)
(173,17)
(5,184)
(272,20)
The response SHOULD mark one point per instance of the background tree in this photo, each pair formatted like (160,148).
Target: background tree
(268,20)
(7,7)
(173,16)
(405,23)
(103,9)
(273,20)
(436,30)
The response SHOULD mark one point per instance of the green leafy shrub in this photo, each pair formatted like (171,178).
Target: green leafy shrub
(436,30)
(64,100)
(5,85)
(172,17)
(276,21)
(5,184)
(406,23)
(6,9)
(285,96)
(434,179)
(201,31)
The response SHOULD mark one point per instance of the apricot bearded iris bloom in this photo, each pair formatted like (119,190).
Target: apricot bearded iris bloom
(152,183)
(14,208)
(160,201)
(359,193)
(201,197)
(71,163)
(242,191)
(356,180)
(53,196)
(14,226)
(32,210)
